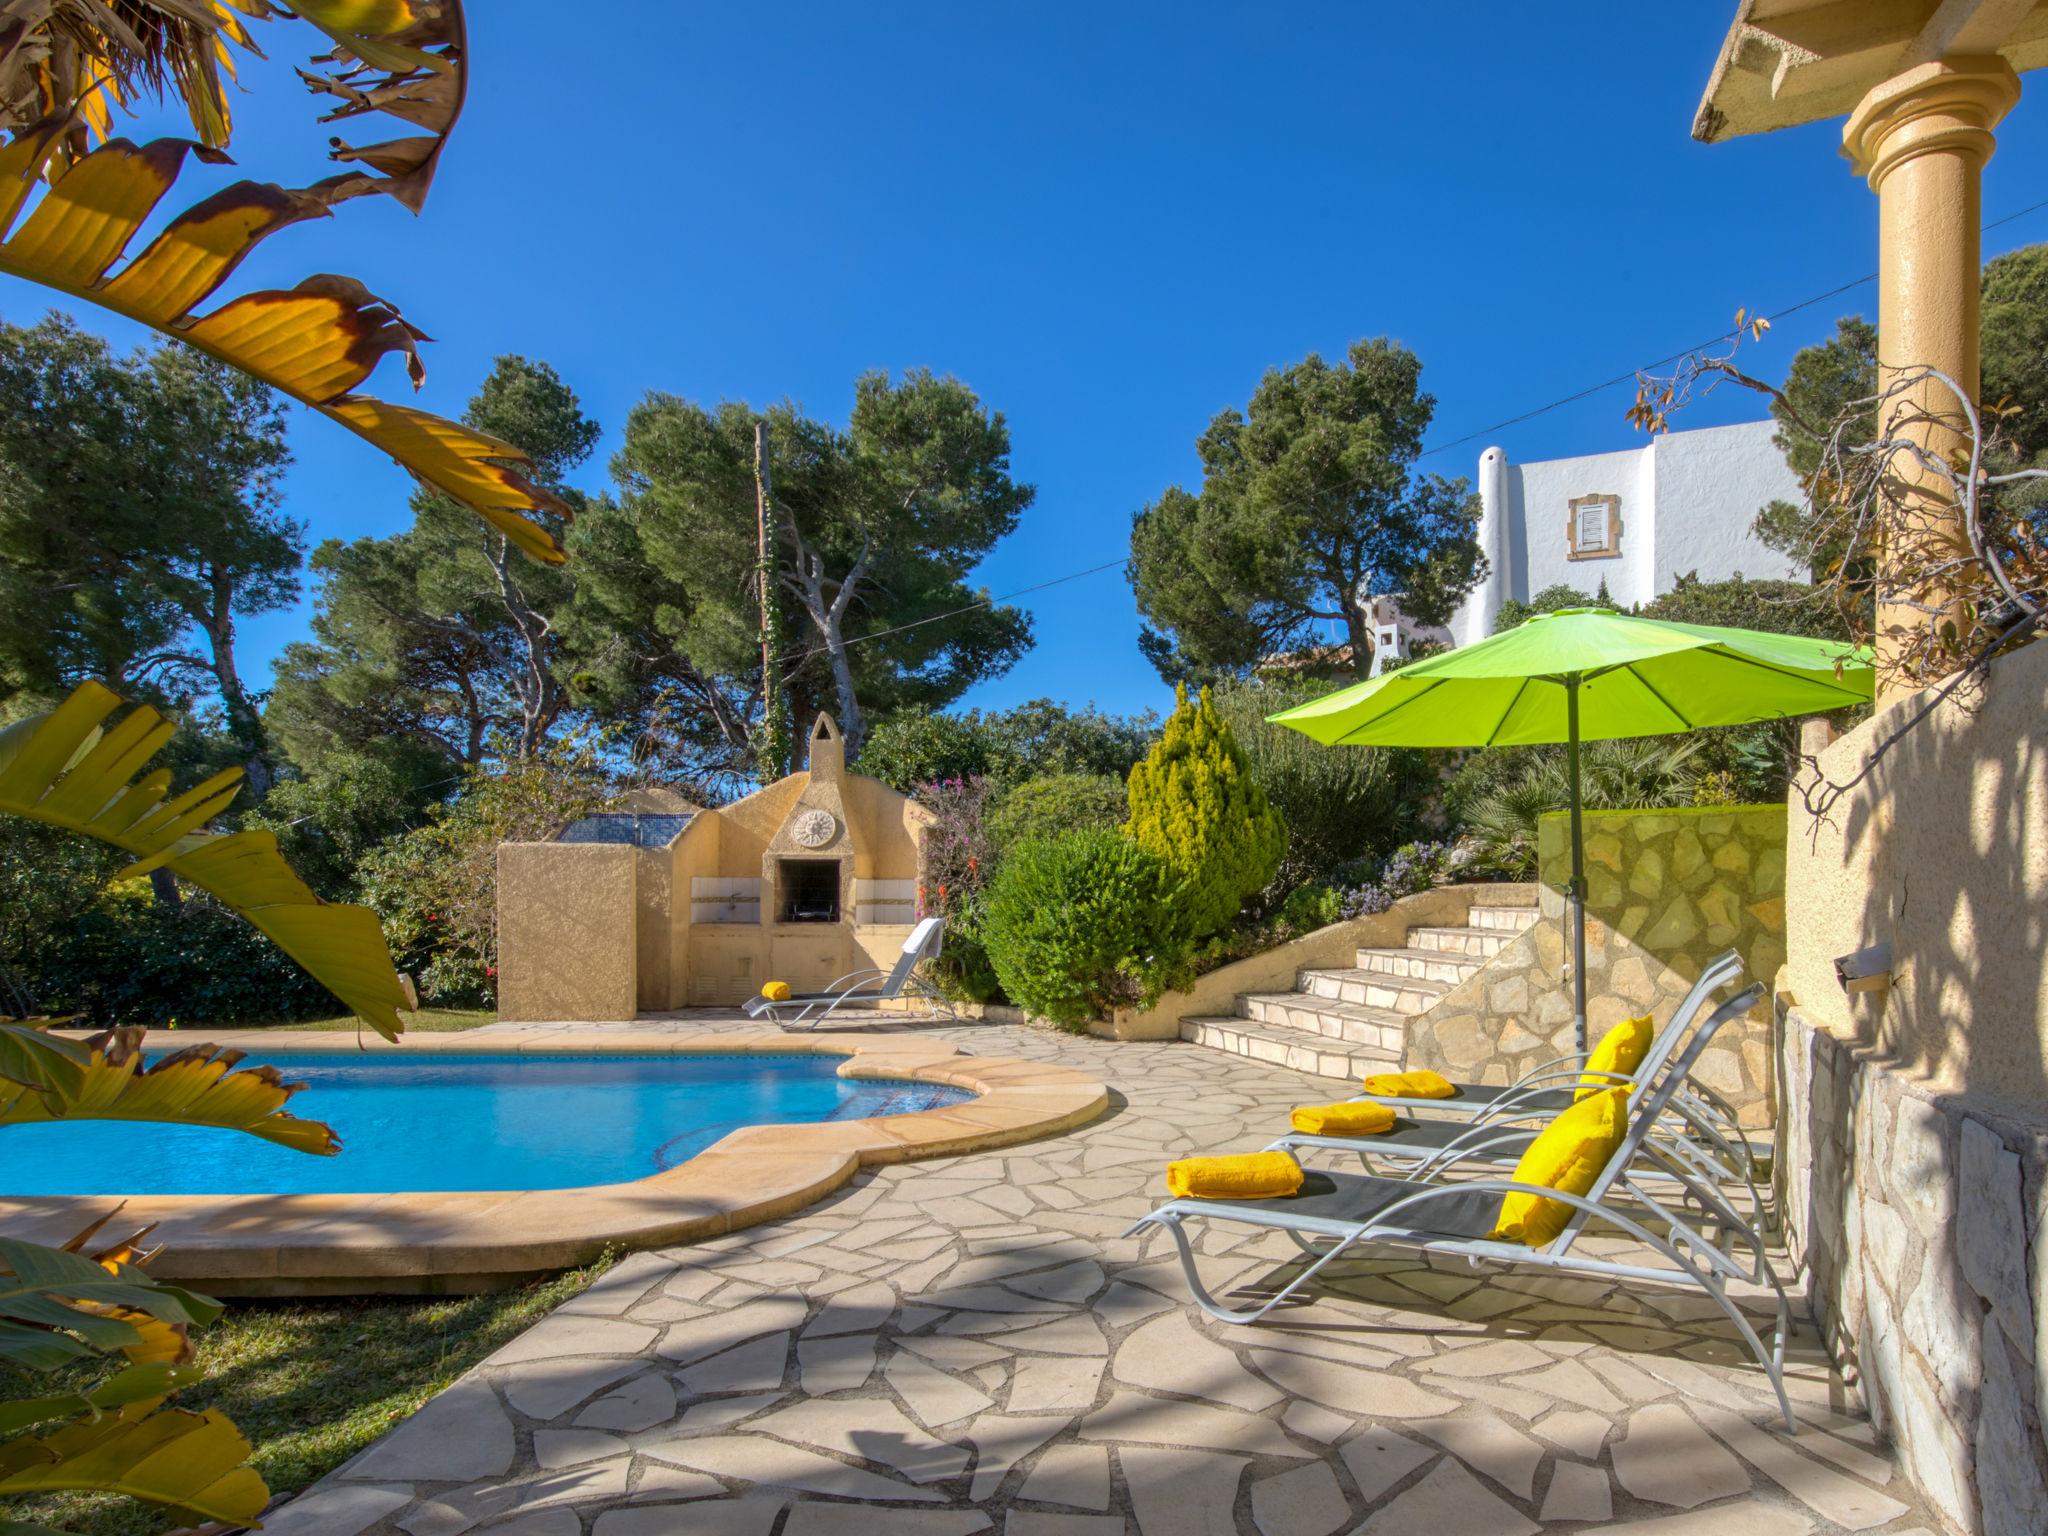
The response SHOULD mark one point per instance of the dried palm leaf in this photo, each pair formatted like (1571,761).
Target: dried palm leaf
(71,769)
(61,61)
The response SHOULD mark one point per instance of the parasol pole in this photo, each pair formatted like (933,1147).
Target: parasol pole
(1576,892)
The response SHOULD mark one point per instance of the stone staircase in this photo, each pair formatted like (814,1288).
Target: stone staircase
(1351,1020)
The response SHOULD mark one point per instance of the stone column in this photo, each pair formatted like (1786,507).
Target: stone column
(1921,138)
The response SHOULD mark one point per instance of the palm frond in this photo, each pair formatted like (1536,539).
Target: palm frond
(73,770)
(60,60)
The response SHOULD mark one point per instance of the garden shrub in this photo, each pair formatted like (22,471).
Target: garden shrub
(1082,924)
(1197,809)
(910,749)
(132,960)
(1340,803)
(1410,870)
(1312,906)
(956,864)
(1502,803)
(1059,802)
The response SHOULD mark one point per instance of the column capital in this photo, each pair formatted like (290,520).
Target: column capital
(1949,106)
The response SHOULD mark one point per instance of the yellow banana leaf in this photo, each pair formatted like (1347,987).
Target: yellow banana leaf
(130,1385)
(48,1294)
(192,1465)
(316,342)
(70,769)
(195,1086)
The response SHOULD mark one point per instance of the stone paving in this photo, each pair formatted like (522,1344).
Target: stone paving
(969,1344)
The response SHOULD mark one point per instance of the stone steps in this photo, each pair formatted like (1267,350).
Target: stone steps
(1483,943)
(1502,919)
(1283,1046)
(1419,964)
(1375,989)
(1347,1021)
(1352,1024)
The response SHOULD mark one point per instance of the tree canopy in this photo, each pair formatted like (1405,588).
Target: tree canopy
(1824,380)
(140,522)
(1309,508)
(444,636)
(877,526)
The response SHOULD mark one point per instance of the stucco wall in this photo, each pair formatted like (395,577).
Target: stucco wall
(1687,502)
(567,931)
(1919,1219)
(1942,852)
(1666,891)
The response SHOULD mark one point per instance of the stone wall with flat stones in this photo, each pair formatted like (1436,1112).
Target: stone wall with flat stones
(1666,890)
(1922,1222)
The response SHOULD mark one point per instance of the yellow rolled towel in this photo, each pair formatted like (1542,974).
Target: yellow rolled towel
(1422,1084)
(1357,1118)
(776,991)
(1247,1176)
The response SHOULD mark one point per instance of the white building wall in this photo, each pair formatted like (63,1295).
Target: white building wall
(1687,502)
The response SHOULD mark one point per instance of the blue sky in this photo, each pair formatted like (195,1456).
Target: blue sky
(1110,220)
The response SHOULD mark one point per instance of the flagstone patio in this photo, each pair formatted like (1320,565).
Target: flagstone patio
(968,1344)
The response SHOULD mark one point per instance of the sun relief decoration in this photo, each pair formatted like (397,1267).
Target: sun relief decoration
(814,828)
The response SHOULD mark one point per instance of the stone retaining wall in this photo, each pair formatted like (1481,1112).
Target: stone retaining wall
(1919,1218)
(1666,891)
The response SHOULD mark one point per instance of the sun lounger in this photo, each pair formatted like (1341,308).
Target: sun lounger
(1551,1085)
(1499,1132)
(862,988)
(1346,1213)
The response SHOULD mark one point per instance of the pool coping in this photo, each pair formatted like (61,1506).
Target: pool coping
(456,1241)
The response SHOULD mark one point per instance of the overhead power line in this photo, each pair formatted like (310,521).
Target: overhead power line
(1623,378)
(1513,421)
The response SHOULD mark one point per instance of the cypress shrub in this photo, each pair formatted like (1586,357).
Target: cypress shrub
(1196,808)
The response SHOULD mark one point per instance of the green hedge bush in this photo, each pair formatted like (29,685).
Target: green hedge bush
(1082,924)
(132,961)
(1057,803)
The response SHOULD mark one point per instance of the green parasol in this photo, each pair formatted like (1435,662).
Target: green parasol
(1589,674)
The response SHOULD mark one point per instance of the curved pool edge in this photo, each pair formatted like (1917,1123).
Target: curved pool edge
(464,1241)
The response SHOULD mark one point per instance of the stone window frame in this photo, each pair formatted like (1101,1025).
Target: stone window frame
(1612,548)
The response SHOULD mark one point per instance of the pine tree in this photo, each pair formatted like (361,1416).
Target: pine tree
(1196,807)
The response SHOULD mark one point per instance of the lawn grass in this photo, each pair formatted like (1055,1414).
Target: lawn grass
(426,1022)
(429,1020)
(313,1382)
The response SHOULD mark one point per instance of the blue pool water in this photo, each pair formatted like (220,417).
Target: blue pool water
(427,1121)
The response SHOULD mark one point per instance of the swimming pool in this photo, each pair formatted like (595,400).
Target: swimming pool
(462,1121)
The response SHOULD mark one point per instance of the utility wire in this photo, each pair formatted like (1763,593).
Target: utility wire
(1456,442)
(1623,378)
(954,613)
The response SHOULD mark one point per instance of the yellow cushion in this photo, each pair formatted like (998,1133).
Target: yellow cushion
(1422,1084)
(776,991)
(1356,1117)
(1620,1051)
(1568,1154)
(1247,1176)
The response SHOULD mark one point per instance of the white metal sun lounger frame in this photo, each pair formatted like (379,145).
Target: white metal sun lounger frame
(1699,1260)
(1692,1135)
(1564,1072)
(869,985)
(1537,1090)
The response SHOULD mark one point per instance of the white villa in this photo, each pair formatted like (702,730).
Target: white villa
(1637,520)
